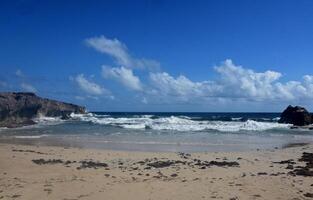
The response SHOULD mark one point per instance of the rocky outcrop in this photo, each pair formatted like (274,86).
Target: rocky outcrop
(19,108)
(297,116)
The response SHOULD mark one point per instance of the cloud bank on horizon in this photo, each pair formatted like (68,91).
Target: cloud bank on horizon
(146,83)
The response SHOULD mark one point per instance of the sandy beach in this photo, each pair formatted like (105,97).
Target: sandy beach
(156,100)
(45,172)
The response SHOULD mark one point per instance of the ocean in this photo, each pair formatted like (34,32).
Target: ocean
(168,132)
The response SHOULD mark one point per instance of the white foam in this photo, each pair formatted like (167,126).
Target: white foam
(249,125)
(3,128)
(29,136)
(43,120)
(276,119)
(236,118)
(179,123)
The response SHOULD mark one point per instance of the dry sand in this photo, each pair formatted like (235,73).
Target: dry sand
(127,176)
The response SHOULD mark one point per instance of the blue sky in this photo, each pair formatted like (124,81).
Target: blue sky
(160,55)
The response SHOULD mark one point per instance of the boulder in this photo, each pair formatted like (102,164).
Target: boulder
(297,116)
(19,108)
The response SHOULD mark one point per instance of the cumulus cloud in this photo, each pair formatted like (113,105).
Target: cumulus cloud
(180,86)
(119,52)
(234,82)
(88,86)
(122,75)
(28,88)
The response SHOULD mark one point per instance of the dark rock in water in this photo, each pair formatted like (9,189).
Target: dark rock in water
(297,115)
(294,127)
(19,108)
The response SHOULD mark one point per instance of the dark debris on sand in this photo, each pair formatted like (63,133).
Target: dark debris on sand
(42,161)
(161,164)
(146,164)
(224,164)
(310,195)
(91,164)
(184,155)
(83,164)
(290,161)
(27,151)
(262,173)
(306,170)
(202,164)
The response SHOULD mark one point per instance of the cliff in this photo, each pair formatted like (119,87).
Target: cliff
(19,108)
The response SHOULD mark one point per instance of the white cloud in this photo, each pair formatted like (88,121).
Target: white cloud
(112,47)
(236,81)
(233,82)
(88,86)
(19,73)
(308,79)
(123,75)
(28,88)
(180,86)
(119,52)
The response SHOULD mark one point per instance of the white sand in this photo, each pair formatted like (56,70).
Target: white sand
(20,178)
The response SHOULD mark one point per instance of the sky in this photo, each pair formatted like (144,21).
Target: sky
(161,56)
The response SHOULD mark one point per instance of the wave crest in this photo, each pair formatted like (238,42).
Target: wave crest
(175,123)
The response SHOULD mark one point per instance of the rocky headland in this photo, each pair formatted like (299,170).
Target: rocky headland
(20,108)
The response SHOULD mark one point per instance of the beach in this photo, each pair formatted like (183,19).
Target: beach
(156,100)
(50,172)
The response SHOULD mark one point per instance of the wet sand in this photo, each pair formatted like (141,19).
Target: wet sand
(46,172)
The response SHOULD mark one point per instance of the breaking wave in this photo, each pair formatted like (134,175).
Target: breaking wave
(42,120)
(178,123)
(29,136)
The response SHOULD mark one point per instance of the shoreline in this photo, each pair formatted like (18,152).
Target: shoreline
(153,147)
(49,172)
